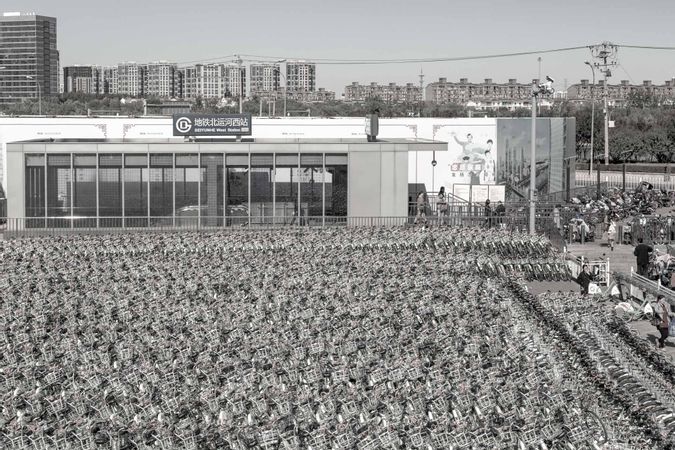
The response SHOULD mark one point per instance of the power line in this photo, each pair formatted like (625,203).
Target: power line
(646,47)
(337,61)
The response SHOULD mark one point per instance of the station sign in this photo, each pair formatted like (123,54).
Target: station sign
(212,125)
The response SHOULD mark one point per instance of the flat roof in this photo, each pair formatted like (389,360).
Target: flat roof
(244,140)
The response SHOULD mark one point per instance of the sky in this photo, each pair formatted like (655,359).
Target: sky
(108,32)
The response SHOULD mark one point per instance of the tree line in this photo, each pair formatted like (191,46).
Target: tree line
(644,128)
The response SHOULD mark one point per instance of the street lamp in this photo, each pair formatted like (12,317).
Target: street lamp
(285,82)
(537,90)
(37,82)
(590,165)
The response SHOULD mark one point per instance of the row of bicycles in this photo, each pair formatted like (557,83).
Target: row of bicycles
(314,339)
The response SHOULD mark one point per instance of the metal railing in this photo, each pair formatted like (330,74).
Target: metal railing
(637,284)
(599,267)
(627,181)
(515,221)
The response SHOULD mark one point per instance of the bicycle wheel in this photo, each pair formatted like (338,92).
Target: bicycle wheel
(596,427)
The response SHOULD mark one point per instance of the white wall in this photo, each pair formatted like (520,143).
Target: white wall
(420,169)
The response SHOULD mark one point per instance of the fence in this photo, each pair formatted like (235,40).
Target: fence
(515,221)
(627,181)
(590,190)
(631,284)
(599,267)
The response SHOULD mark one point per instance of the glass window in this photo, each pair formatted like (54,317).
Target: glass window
(187,189)
(110,190)
(136,190)
(161,189)
(59,187)
(84,190)
(286,188)
(336,185)
(311,186)
(35,190)
(261,189)
(212,195)
(236,188)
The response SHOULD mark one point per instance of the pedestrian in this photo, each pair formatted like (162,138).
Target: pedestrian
(421,207)
(662,315)
(488,213)
(500,212)
(584,279)
(611,234)
(442,204)
(642,252)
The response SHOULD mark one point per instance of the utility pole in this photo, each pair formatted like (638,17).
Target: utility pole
(421,91)
(239,62)
(605,55)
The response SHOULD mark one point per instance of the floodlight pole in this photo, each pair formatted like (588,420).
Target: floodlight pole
(590,161)
(533,163)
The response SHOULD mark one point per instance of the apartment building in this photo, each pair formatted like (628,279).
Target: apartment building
(130,77)
(83,79)
(265,80)
(488,93)
(159,79)
(390,93)
(300,76)
(617,94)
(29,57)
(235,80)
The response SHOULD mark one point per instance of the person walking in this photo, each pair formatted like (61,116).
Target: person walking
(421,208)
(611,234)
(642,252)
(442,205)
(662,321)
(584,279)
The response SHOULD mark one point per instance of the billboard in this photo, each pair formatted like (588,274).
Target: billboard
(212,125)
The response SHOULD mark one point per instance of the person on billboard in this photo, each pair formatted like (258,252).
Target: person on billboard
(488,172)
(470,151)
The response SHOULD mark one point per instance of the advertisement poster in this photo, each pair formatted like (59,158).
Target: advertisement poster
(497,193)
(462,191)
(479,193)
(472,156)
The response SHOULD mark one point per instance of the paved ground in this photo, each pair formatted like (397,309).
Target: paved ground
(621,260)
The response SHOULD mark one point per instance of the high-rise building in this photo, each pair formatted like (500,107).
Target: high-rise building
(130,79)
(210,81)
(265,80)
(84,79)
(29,58)
(160,79)
(235,77)
(107,80)
(300,76)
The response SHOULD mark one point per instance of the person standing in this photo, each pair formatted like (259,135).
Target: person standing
(442,205)
(611,233)
(488,214)
(642,252)
(500,212)
(584,279)
(663,322)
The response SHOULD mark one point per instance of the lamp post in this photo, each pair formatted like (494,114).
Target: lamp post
(537,90)
(37,82)
(590,165)
(285,83)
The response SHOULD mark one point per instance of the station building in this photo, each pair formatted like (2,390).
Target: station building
(132,172)
(110,183)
